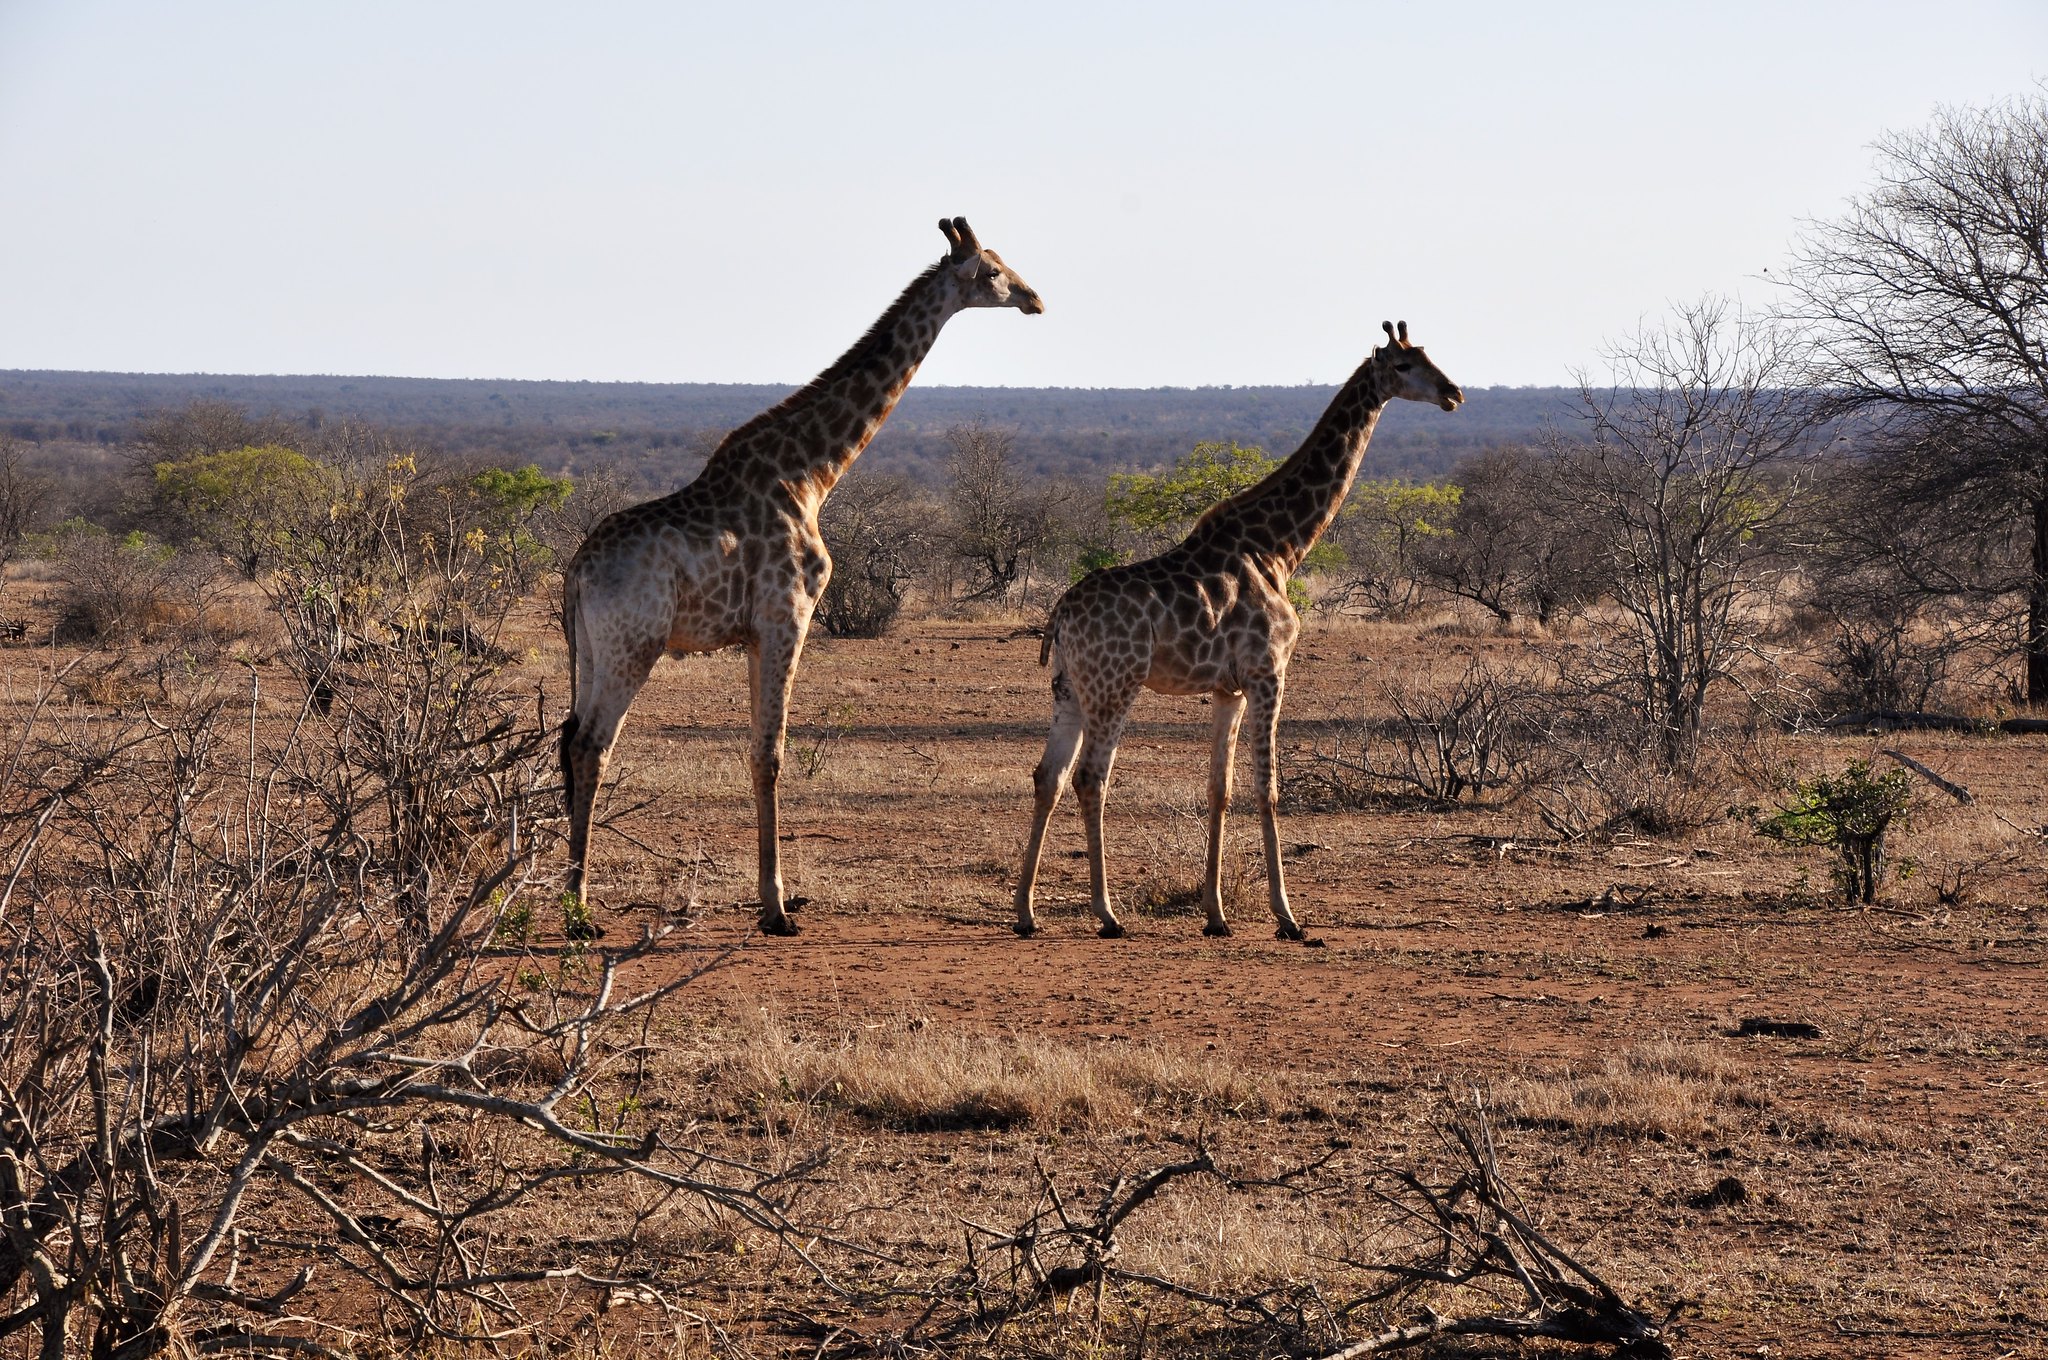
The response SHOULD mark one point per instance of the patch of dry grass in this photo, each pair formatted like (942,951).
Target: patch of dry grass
(1659,1090)
(909,1074)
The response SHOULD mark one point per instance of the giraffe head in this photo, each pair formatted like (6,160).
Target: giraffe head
(980,276)
(1405,371)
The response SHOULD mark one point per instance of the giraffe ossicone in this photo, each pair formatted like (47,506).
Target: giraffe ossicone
(735,557)
(1208,616)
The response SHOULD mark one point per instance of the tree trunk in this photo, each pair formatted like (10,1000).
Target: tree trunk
(2037,609)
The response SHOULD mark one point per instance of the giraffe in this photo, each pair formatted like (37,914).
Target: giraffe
(735,558)
(1209,616)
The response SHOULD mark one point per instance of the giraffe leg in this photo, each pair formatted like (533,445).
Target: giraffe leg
(1265,714)
(771,667)
(1223,725)
(1061,745)
(1091,785)
(588,735)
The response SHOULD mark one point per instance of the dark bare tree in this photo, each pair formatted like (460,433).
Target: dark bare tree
(207,426)
(1686,466)
(882,532)
(25,498)
(1512,547)
(1927,303)
(999,528)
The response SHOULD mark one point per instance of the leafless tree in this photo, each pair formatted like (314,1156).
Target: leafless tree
(882,533)
(1927,304)
(1684,469)
(601,489)
(24,500)
(1511,547)
(206,426)
(999,528)
(267,1004)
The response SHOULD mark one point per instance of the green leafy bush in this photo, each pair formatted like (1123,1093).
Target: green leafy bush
(1850,813)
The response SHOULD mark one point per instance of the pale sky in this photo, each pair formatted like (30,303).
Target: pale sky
(677,192)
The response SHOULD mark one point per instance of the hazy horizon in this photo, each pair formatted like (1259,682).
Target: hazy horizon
(1205,196)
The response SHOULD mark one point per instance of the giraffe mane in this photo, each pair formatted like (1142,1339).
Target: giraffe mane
(856,355)
(1252,492)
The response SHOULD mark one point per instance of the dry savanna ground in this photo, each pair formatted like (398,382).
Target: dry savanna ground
(1864,1177)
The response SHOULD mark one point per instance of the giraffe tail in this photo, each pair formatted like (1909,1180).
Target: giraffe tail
(1045,639)
(570,724)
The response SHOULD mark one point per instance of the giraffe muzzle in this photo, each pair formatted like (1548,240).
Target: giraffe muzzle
(1030,303)
(1452,399)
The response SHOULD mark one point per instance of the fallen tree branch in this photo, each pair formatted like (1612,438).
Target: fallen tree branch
(1955,791)
(1893,720)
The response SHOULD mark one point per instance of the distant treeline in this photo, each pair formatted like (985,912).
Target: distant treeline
(658,433)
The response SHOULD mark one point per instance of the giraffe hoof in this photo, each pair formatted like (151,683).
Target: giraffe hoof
(777,925)
(1025,929)
(1216,929)
(1112,931)
(1289,931)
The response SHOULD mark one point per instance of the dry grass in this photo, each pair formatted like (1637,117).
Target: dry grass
(1892,1166)
(910,1075)
(1665,1089)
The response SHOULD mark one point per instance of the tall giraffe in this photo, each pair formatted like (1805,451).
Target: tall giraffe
(735,558)
(1209,616)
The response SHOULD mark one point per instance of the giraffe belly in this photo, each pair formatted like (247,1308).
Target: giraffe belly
(1203,664)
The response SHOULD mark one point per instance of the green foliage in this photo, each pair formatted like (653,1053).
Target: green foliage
(1850,813)
(515,495)
(1380,534)
(515,919)
(1093,557)
(578,925)
(506,505)
(1165,505)
(244,503)
(1411,509)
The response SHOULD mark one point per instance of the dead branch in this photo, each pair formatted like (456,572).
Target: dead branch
(1955,791)
(1891,720)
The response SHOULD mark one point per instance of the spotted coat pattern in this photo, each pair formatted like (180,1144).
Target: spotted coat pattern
(1209,616)
(735,559)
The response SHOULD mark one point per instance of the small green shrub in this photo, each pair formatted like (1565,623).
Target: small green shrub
(1850,813)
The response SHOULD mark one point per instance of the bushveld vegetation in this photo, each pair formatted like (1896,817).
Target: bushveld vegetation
(302,1053)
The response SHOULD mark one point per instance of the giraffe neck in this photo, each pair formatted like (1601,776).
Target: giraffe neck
(1281,518)
(808,440)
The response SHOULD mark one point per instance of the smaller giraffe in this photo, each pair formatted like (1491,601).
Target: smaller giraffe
(735,558)
(1209,616)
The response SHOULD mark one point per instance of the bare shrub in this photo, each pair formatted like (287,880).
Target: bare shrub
(1448,741)
(227,995)
(1608,776)
(121,591)
(1451,1241)
(882,535)
(1000,531)
(393,623)
(1884,659)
